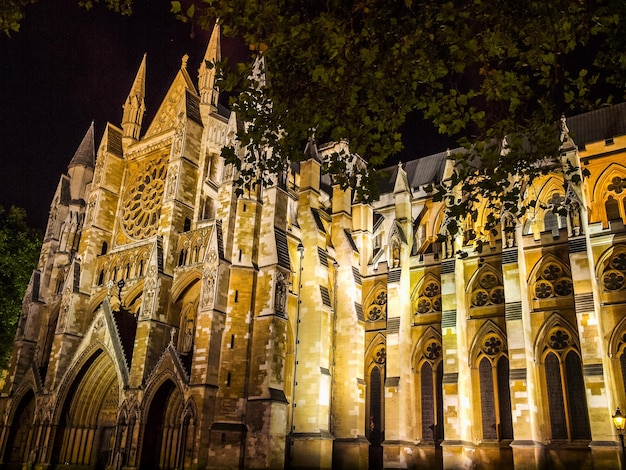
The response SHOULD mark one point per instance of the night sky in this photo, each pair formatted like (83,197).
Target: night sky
(68,66)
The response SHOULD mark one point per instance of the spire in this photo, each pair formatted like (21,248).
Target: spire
(85,153)
(134,107)
(209,93)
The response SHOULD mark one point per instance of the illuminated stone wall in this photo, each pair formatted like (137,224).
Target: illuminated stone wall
(296,325)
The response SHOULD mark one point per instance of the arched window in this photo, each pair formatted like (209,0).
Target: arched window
(375,360)
(375,406)
(105,248)
(567,403)
(430,388)
(495,394)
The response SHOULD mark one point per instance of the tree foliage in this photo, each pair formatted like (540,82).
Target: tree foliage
(496,75)
(19,251)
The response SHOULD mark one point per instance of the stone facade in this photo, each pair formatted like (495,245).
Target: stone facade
(172,324)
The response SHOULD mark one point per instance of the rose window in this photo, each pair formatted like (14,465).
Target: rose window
(563,287)
(480,298)
(497,296)
(551,272)
(423,305)
(492,345)
(142,203)
(488,281)
(559,339)
(375,313)
(432,350)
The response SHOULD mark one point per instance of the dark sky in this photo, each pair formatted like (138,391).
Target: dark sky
(67,67)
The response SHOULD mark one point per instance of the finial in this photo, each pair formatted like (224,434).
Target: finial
(172,334)
(184,60)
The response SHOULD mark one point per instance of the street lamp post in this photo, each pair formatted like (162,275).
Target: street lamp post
(619,421)
(295,366)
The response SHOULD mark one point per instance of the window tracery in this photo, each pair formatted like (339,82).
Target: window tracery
(488,290)
(492,364)
(614,275)
(565,389)
(430,380)
(377,309)
(429,297)
(142,207)
(552,281)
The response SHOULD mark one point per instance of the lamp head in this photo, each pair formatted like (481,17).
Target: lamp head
(619,421)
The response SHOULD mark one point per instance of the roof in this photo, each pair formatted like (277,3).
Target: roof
(85,154)
(126,324)
(421,171)
(598,125)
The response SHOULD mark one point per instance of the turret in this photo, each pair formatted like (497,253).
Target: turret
(134,107)
(209,93)
(81,167)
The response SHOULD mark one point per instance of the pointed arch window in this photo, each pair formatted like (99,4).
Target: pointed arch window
(495,394)
(430,399)
(565,388)
(375,375)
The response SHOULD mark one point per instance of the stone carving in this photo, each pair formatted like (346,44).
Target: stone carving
(189,329)
(172,180)
(574,217)
(209,280)
(280,293)
(508,228)
(150,292)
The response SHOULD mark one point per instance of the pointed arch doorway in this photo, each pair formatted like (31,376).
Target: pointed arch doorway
(86,424)
(162,430)
(20,433)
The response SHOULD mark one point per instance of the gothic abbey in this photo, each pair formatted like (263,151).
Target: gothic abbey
(171,324)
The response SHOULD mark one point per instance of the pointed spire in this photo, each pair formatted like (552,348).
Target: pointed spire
(134,107)
(209,93)
(310,149)
(85,153)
